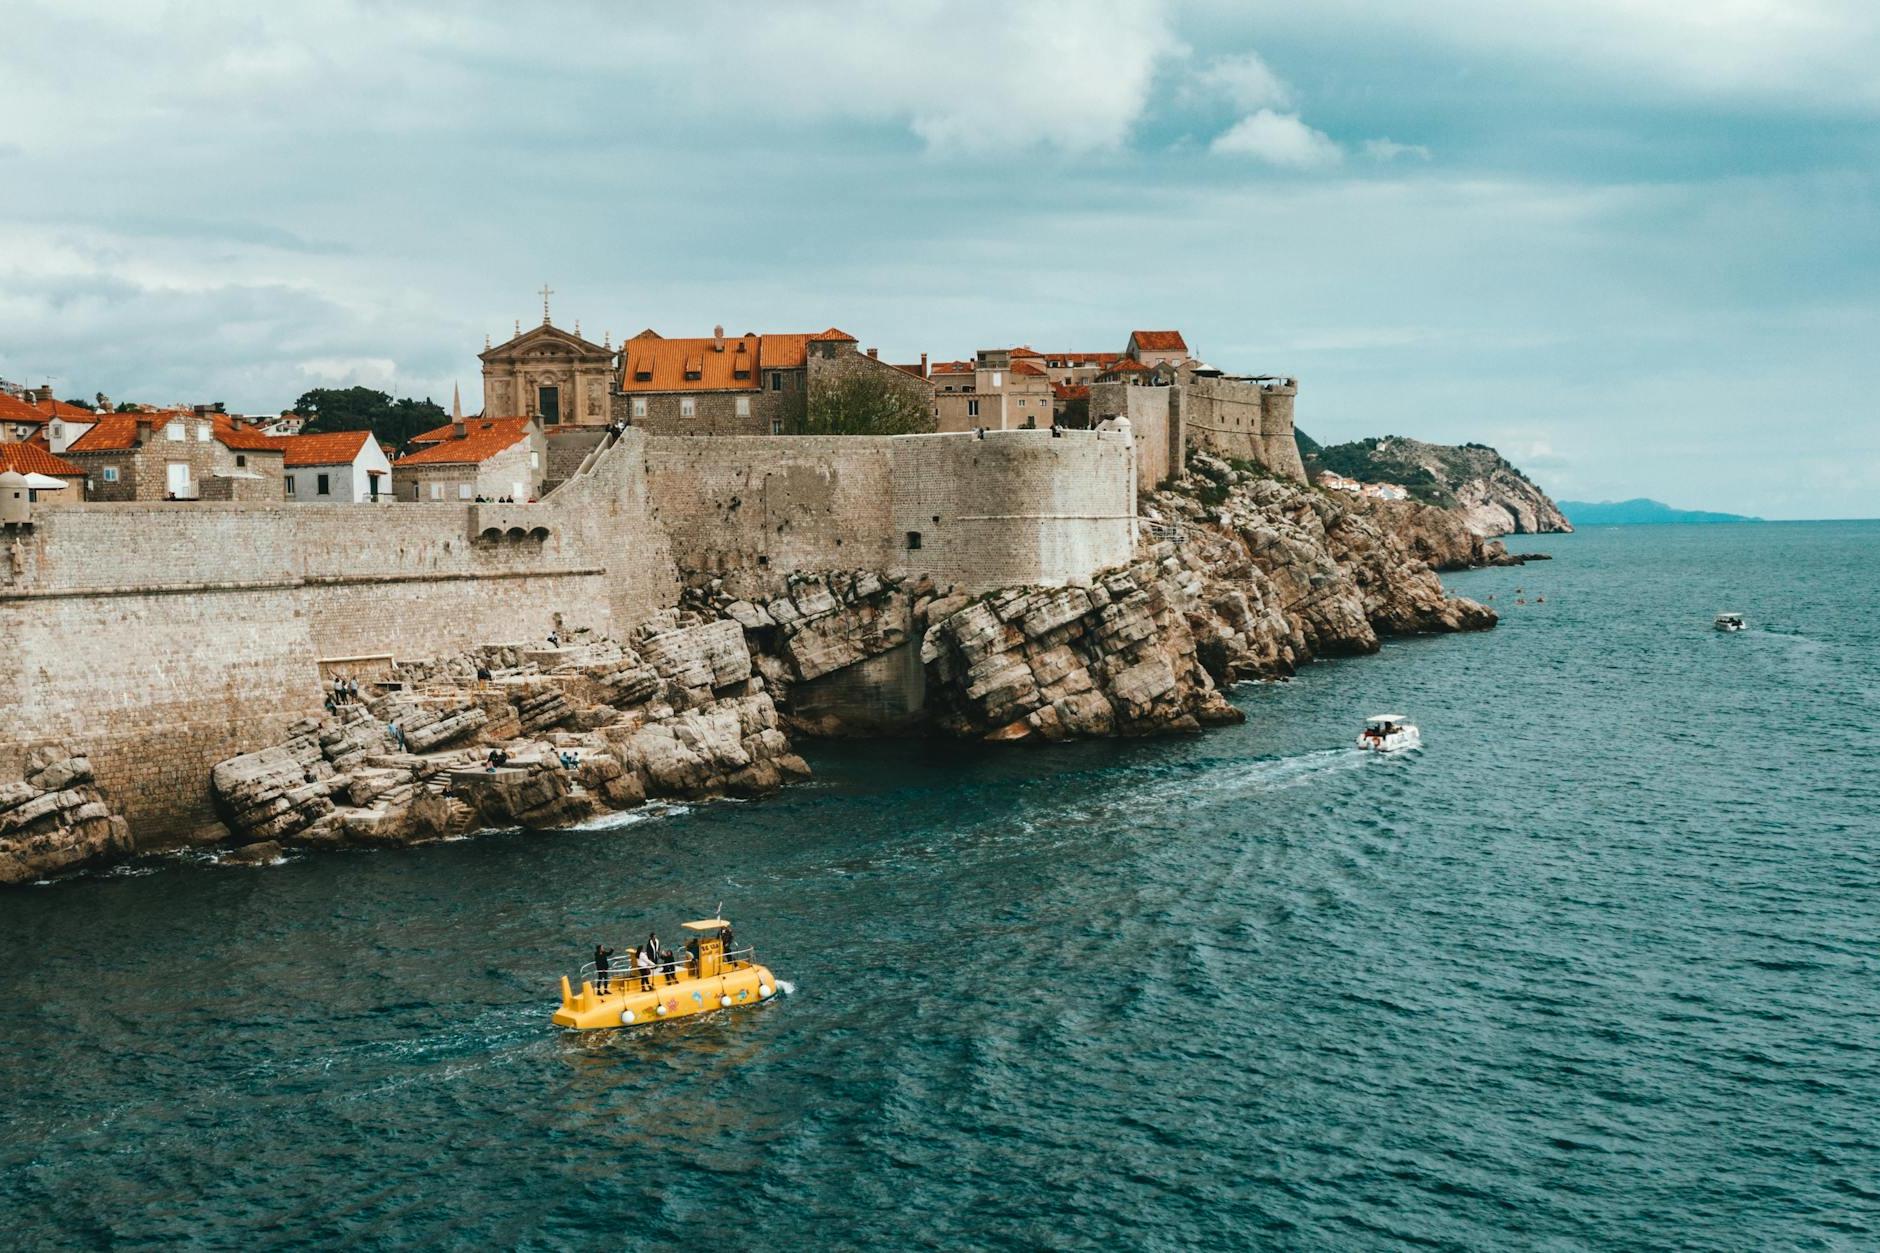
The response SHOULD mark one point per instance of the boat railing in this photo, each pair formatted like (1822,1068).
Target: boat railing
(621,967)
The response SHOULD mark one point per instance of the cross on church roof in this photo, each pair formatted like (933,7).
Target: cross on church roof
(547,291)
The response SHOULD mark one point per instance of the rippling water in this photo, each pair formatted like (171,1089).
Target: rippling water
(1597,967)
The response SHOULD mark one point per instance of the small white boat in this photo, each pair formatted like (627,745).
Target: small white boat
(1730,622)
(1389,733)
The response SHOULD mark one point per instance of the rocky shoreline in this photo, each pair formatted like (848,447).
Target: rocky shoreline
(1240,575)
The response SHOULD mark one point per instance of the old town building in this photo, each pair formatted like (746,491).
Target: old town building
(175,455)
(335,467)
(474,459)
(549,374)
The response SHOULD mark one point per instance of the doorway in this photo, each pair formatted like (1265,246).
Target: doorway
(177,480)
(548,404)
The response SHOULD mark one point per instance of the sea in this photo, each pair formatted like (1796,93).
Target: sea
(1598,967)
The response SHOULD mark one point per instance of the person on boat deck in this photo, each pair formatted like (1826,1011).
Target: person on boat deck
(643,962)
(693,963)
(603,963)
(668,966)
(724,938)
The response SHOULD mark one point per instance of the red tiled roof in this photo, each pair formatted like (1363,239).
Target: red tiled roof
(951,367)
(839,336)
(330,448)
(1126,365)
(1026,352)
(33,458)
(483,439)
(19,409)
(115,432)
(667,362)
(1026,367)
(1070,391)
(1159,341)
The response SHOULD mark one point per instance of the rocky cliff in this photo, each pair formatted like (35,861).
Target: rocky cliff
(1492,496)
(54,819)
(588,727)
(1247,576)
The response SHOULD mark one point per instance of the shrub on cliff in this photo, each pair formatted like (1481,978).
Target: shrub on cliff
(863,404)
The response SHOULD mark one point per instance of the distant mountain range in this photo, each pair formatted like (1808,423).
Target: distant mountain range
(1640,512)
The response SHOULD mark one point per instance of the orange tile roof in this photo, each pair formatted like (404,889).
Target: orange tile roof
(952,367)
(666,363)
(1070,391)
(1159,341)
(34,458)
(1026,352)
(483,439)
(833,333)
(330,448)
(1026,367)
(115,432)
(19,409)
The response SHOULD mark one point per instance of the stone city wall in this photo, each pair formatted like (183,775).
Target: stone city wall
(1015,507)
(160,638)
(1153,420)
(1244,419)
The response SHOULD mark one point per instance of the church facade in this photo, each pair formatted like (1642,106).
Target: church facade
(549,374)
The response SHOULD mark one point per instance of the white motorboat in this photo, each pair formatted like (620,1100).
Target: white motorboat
(1731,622)
(1389,733)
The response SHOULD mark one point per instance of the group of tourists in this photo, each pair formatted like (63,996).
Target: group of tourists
(651,961)
(496,760)
(345,692)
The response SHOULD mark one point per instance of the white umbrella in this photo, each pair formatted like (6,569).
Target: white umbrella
(45,483)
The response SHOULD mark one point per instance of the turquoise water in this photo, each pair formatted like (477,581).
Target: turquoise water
(1598,967)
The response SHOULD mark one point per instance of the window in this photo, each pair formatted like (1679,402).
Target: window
(776,426)
(290,484)
(998,378)
(639,406)
(463,491)
(110,474)
(913,540)
(203,431)
(972,408)
(241,459)
(535,460)
(174,431)
(744,406)
(437,491)
(323,486)
(776,380)
(688,406)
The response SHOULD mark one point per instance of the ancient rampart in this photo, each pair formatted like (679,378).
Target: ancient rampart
(1016,507)
(1243,418)
(159,638)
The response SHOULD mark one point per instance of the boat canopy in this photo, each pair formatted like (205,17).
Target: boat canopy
(706,924)
(1729,617)
(1380,719)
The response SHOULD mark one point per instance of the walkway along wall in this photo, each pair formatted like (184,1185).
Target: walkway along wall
(160,638)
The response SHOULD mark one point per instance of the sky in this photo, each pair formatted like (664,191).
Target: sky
(1634,244)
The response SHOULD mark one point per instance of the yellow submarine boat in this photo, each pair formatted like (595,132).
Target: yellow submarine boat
(701,981)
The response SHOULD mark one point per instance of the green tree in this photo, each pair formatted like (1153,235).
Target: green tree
(365,409)
(863,404)
(76,403)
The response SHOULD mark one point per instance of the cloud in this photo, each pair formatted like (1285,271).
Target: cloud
(1390,150)
(380,372)
(1278,139)
(1244,81)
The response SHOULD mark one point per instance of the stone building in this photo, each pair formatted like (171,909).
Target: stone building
(26,412)
(176,455)
(745,384)
(1248,417)
(472,458)
(1154,348)
(1002,391)
(335,467)
(548,374)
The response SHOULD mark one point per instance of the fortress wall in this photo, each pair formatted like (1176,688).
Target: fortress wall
(1245,419)
(754,508)
(1153,420)
(162,638)
(1017,507)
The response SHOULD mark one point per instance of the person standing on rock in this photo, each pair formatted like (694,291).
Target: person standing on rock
(397,733)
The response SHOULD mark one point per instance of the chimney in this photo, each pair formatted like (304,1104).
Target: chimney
(874,354)
(458,430)
(923,365)
(37,394)
(718,339)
